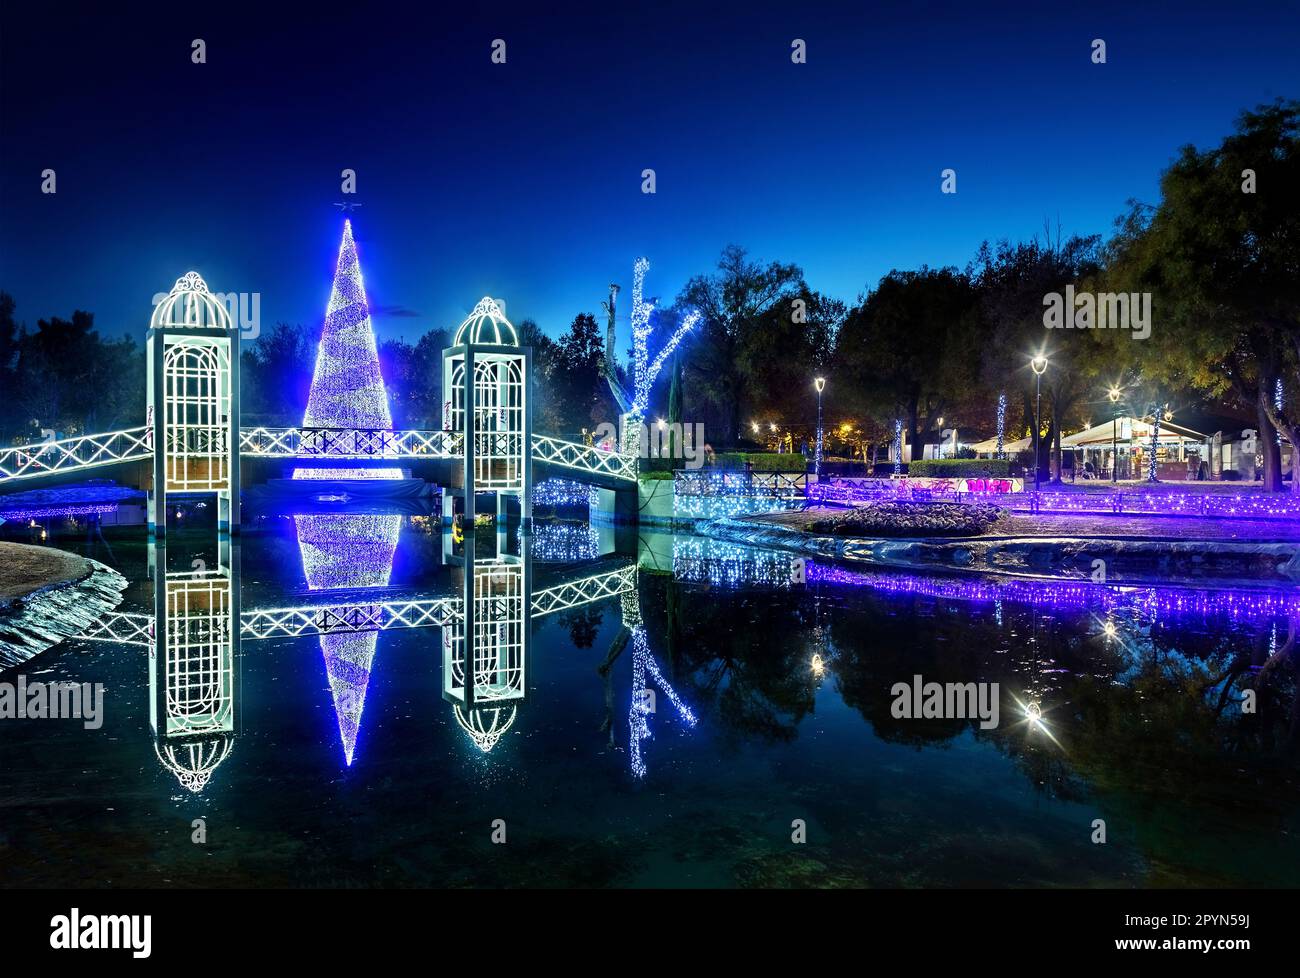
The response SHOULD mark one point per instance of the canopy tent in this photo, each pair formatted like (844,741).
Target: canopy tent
(990,445)
(1127,430)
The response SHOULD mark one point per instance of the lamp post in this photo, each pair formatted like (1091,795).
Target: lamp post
(1039,365)
(939,422)
(820,384)
(1114,396)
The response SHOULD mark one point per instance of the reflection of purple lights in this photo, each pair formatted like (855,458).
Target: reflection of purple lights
(54,512)
(348,550)
(1151,601)
(1237,505)
(348,659)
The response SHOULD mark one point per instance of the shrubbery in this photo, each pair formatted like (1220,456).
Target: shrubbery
(961,468)
(762,461)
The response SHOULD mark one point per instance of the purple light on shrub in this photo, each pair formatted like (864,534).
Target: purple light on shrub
(1238,505)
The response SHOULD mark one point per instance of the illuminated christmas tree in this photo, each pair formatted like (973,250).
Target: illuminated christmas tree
(347,389)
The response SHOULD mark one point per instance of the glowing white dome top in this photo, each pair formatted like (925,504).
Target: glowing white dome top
(487,324)
(191,305)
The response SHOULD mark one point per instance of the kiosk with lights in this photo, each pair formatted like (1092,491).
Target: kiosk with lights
(485,376)
(192,421)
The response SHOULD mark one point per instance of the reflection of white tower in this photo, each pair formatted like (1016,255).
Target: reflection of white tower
(496,602)
(488,369)
(486,724)
(192,675)
(193,401)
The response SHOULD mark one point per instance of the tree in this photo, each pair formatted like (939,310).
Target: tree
(1013,281)
(9,348)
(275,372)
(908,349)
(734,305)
(1221,255)
(790,347)
(579,387)
(546,360)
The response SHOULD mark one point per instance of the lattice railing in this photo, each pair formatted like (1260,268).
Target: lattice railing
(125,628)
(130,628)
(584,458)
(763,485)
(357,443)
(572,594)
(72,454)
(261,623)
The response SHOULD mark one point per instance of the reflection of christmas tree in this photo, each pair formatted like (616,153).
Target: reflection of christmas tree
(348,550)
(347,390)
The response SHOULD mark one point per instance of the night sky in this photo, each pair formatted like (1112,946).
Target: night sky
(523,180)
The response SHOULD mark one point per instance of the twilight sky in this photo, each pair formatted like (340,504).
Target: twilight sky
(523,180)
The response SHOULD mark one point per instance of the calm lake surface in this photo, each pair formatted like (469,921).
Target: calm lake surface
(770,701)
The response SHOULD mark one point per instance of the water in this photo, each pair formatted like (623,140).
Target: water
(772,678)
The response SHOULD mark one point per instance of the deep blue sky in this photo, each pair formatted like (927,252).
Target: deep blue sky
(523,181)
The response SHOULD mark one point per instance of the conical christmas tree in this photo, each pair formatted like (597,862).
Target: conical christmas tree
(347,389)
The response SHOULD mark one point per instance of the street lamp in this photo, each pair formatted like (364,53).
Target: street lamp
(820,384)
(939,422)
(1114,395)
(1039,366)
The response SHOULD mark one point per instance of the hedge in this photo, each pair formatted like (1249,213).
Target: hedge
(961,468)
(762,461)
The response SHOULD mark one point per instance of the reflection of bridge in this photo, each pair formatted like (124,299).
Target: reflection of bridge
(135,628)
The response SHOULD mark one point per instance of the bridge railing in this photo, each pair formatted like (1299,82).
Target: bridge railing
(132,444)
(136,628)
(584,458)
(83,452)
(352,443)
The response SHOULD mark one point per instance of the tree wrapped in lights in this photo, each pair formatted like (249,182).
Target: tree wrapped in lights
(1002,424)
(347,388)
(898,446)
(644,368)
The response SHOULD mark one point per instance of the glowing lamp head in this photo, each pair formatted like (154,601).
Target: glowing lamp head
(1110,629)
(1038,364)
(1034,712)
(772,425)
(820,384)
(818,665)
(754,425)
(1114,395)
(662,425)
